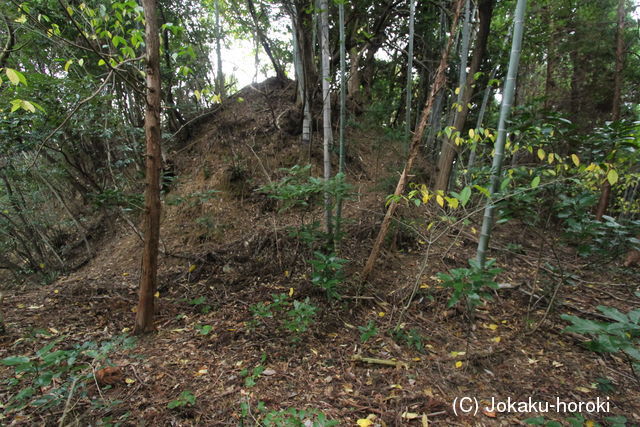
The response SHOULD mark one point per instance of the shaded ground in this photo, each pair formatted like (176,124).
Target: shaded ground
(229,250)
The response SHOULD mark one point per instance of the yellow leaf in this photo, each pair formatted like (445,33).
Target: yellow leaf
(541,154)
(363,422)
(459,108)
(493,326)
(472,133)
(583,389)
(424,286)
(459,364)
(56,291)
(458,140)
(473,230)
(410,415)
(157,295)
(382,314)
(192,267)
(290,292)
(286,274)
(129,380)
(457,91)
(41,265)
(612,176)
(590,423)
(440,200)
(20,306)
(496,339)
(21,20)
(453,202)
(54,331)
(126,330)
(202,371)
(12,75)
(125,274)
(590,167)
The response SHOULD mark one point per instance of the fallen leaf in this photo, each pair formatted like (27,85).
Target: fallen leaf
(459,364)
(488,413)
(496,339)
(557,364)
(129,380)
(109,376)
(268,372)
(410,415)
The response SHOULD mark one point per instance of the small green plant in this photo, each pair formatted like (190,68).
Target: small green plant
(412,338)
(292,315)
(45,380)
(204,329)
(327,272)
(251,377)
(470,284)
(368,331)
(201,304)
(186,398)
(622,334)
(289,417)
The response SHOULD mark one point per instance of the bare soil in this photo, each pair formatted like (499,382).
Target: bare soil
(232,250)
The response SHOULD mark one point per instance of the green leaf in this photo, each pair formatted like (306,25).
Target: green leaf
(612,313)
(67,65)
(580,325)
(465,195)
(535,182)
(15,77)
(482,190)
(612,176)
(28,106)
(14,360)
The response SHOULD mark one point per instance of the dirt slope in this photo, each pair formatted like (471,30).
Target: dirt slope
(226,247)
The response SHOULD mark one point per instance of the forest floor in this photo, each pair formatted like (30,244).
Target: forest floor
(227,251)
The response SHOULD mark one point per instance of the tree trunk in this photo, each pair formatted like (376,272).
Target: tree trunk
(219,75)
(438,84)
(605,194)
(407,123)
(326,108)
(264,41)
(505,109)
(148,280)
(449,149)
(343,106)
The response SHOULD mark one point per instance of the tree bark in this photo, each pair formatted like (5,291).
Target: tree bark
(326,108)
(605,194)
(264,41)
(438,84)
(148,283)
(449,149)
